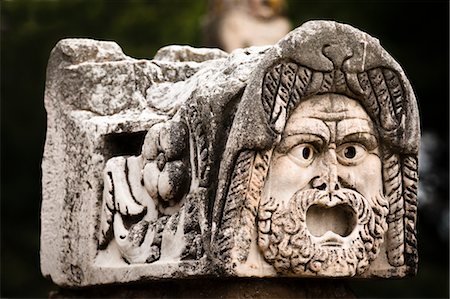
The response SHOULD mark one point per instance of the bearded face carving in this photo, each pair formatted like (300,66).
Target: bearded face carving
(322,209)
(293,160)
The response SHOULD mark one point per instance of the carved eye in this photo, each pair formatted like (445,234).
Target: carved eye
(351,153)
(302,154)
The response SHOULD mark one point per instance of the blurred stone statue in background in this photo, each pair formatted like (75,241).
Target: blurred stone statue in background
(232,24)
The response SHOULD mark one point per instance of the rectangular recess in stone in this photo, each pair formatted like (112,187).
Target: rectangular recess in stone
(124,144)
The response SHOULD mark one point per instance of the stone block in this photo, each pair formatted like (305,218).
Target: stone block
(292,160)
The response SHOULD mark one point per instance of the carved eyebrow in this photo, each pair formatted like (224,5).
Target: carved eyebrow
(291,141)
(369,140)
(352,126)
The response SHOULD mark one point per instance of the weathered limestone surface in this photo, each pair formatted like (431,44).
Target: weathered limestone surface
(292,160)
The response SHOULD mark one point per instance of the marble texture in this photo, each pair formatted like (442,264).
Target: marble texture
(292,160)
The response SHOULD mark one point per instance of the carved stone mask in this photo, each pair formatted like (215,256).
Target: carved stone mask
(322,209)
(297,159)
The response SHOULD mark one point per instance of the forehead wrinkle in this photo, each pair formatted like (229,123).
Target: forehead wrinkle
(324,113)
(330,116)
(330,108)
(332,126)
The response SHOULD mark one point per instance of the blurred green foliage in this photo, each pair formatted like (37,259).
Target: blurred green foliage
(414,32)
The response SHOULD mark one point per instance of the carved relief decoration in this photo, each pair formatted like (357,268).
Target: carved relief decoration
(379,91)
(298,159)
(283,236)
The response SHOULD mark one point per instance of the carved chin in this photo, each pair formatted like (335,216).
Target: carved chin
(322,234)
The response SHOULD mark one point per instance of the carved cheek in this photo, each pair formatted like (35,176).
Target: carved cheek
(286,178)
(366,177)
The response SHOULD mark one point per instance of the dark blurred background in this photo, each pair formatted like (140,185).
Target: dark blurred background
(415,33)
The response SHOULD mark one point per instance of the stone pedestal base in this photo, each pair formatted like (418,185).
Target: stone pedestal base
(217,288)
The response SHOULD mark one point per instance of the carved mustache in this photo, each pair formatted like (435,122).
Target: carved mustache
(343,201)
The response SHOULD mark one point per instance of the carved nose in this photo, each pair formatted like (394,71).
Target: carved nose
(318,183)
(321,184)
(328,177)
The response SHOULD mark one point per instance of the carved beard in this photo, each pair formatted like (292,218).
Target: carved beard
(287,243)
